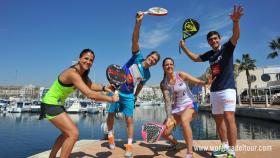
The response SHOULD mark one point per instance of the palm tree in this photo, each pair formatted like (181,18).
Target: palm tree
(275,46)
(246,64)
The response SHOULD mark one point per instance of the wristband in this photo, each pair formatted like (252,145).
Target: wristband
(103,88)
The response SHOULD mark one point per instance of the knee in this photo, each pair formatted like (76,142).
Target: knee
(229,118)
(110,117)
(129,121)
(73,134)
(165,134)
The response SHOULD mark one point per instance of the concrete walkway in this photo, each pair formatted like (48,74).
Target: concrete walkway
(99,149)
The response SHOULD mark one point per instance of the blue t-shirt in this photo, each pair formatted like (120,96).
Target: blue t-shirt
(135,73)
(221,64)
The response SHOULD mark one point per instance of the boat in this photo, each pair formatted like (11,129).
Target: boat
(35,106)
(19,107)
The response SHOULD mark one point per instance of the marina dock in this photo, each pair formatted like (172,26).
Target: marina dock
(202,148)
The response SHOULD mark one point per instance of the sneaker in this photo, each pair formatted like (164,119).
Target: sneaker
(189,155)
(173,147)
(128,150)
(229,155)
(220,152)
(111,141)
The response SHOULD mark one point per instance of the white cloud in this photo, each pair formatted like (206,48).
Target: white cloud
(216,21)
(152,38)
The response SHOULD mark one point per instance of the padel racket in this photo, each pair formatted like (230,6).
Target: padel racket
(116,75)
(151,132)
(156,11)
(190,27)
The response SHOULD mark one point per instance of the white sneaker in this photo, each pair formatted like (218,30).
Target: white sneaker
(111,141)
(128,150)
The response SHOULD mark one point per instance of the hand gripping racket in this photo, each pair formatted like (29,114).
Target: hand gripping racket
(151,131)
(190,27)
(115,75)
(156,11)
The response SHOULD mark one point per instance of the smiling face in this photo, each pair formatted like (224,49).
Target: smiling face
(152,60)
(214,41)
(168,66)
(86,60)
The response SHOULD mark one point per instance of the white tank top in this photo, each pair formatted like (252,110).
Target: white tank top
(182,96)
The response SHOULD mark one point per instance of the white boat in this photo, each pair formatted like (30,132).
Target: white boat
(73,105)
(3,105)
(35,106)
(19,107)
(92,108)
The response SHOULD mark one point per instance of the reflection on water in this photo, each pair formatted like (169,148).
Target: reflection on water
(23,135)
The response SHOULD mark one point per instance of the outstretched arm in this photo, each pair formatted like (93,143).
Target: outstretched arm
(99,87)
(135,35)
(235,16)
(189,78)
(191,55)
(87,91)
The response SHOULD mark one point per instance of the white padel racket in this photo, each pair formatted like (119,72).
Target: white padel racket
(156,11)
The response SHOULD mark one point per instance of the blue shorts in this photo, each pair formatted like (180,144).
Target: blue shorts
(124,105)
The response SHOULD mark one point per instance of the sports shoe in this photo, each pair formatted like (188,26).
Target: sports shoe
(173,147)
(111,141)
(229,155)
(128,150)
(189,155)
(220,152)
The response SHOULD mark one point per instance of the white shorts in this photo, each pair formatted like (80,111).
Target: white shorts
(224,100)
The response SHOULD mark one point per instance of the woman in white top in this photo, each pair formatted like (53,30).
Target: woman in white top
(180,105)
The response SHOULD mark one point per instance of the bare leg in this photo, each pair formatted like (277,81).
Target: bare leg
(167,132)
(130,128)
(110,121)
(57,145)
(186,118)
(70,135)
(231,127)
(221,127)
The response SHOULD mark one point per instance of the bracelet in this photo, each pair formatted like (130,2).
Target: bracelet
(103,88)
(235,20)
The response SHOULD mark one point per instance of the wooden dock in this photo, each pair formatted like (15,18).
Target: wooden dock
(202,148)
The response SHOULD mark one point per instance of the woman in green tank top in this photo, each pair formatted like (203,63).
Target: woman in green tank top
(52,107)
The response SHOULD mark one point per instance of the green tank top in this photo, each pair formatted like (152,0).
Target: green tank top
(57,94)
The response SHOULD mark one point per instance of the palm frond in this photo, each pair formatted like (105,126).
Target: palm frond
(272,55)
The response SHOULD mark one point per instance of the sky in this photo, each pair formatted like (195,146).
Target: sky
(41,38)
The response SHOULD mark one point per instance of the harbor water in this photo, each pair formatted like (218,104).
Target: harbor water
(23,135)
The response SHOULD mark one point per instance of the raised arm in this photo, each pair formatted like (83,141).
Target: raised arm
(135,35)
(191,55)
(80,85)
(235,16)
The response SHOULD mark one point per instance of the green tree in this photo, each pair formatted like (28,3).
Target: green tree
(246,64)
(275,46)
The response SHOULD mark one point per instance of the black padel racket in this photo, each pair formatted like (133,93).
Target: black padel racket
(190,27)
(115,75)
